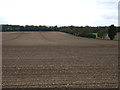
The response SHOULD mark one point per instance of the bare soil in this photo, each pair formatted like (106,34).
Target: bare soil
(56,59)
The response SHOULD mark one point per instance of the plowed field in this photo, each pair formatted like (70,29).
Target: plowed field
(56,59)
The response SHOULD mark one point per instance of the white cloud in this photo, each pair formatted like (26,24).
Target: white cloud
(56,12)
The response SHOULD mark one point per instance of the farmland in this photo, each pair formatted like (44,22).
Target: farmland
(56,59)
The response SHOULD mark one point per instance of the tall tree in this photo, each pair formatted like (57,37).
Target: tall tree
(112,32)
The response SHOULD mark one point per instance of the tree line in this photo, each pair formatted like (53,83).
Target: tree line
(86,31)
(6,28)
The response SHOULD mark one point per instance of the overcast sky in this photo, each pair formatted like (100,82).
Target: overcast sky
(59,12)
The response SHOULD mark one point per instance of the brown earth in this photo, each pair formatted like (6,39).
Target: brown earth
(56,59)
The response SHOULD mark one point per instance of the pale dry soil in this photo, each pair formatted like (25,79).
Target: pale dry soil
(56,59)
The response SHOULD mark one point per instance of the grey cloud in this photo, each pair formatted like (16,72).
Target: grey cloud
(110,16)
(108,5)
(105,22)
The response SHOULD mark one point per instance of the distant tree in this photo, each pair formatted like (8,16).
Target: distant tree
(112,32)
(102,33)
(55,28)
(86,30)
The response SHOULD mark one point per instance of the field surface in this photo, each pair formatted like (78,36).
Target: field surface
(56,59)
